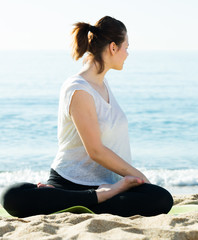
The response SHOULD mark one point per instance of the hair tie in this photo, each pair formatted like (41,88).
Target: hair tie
(93,29)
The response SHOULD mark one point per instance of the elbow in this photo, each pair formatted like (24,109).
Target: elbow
(95,153)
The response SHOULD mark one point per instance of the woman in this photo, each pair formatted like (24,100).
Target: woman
(93,165)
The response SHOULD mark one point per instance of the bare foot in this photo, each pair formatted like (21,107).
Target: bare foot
(106,191)
(41,185)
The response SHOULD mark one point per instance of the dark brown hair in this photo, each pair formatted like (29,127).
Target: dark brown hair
(94,39)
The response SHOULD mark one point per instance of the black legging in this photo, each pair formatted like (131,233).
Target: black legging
(25,199)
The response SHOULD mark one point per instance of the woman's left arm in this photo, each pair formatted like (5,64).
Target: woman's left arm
(84,116)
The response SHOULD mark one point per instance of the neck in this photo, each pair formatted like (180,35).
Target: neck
(90,73)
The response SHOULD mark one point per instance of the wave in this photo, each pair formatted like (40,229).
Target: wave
(26,175)
(161,177)
(180,178)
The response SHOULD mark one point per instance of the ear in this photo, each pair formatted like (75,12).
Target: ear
(113,48)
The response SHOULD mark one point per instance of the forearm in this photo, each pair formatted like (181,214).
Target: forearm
(108,159)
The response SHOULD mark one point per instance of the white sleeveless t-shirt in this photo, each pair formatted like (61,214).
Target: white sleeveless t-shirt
(72,161)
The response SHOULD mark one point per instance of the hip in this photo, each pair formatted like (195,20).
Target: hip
(59,182)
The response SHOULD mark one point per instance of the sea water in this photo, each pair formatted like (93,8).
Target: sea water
(157,90)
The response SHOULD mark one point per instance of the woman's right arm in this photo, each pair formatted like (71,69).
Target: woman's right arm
(83,113)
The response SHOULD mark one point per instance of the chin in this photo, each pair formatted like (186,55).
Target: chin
(118,68)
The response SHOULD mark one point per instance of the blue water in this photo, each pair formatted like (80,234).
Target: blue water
(158,91)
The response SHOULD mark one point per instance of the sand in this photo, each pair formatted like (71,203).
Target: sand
(104,226)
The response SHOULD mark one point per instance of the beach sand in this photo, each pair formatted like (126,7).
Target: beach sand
(104,226)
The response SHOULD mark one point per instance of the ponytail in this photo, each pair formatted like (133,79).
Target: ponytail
(80,39)
(105,31)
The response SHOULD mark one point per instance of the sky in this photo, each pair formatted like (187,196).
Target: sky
(151,24)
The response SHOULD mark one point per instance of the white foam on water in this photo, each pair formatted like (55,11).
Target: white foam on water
(177,181)
(27,175)
(180,178)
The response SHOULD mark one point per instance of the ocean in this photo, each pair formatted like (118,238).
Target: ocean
(158,91)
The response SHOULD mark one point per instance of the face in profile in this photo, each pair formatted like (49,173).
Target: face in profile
(121,54)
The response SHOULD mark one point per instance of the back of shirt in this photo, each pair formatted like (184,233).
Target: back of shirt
(72,161)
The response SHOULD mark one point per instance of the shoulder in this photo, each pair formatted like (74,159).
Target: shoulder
(74,81)
(69,92)
(72,85)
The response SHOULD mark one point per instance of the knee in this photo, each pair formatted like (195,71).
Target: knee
(11,197)
(165,201)
(7,196)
